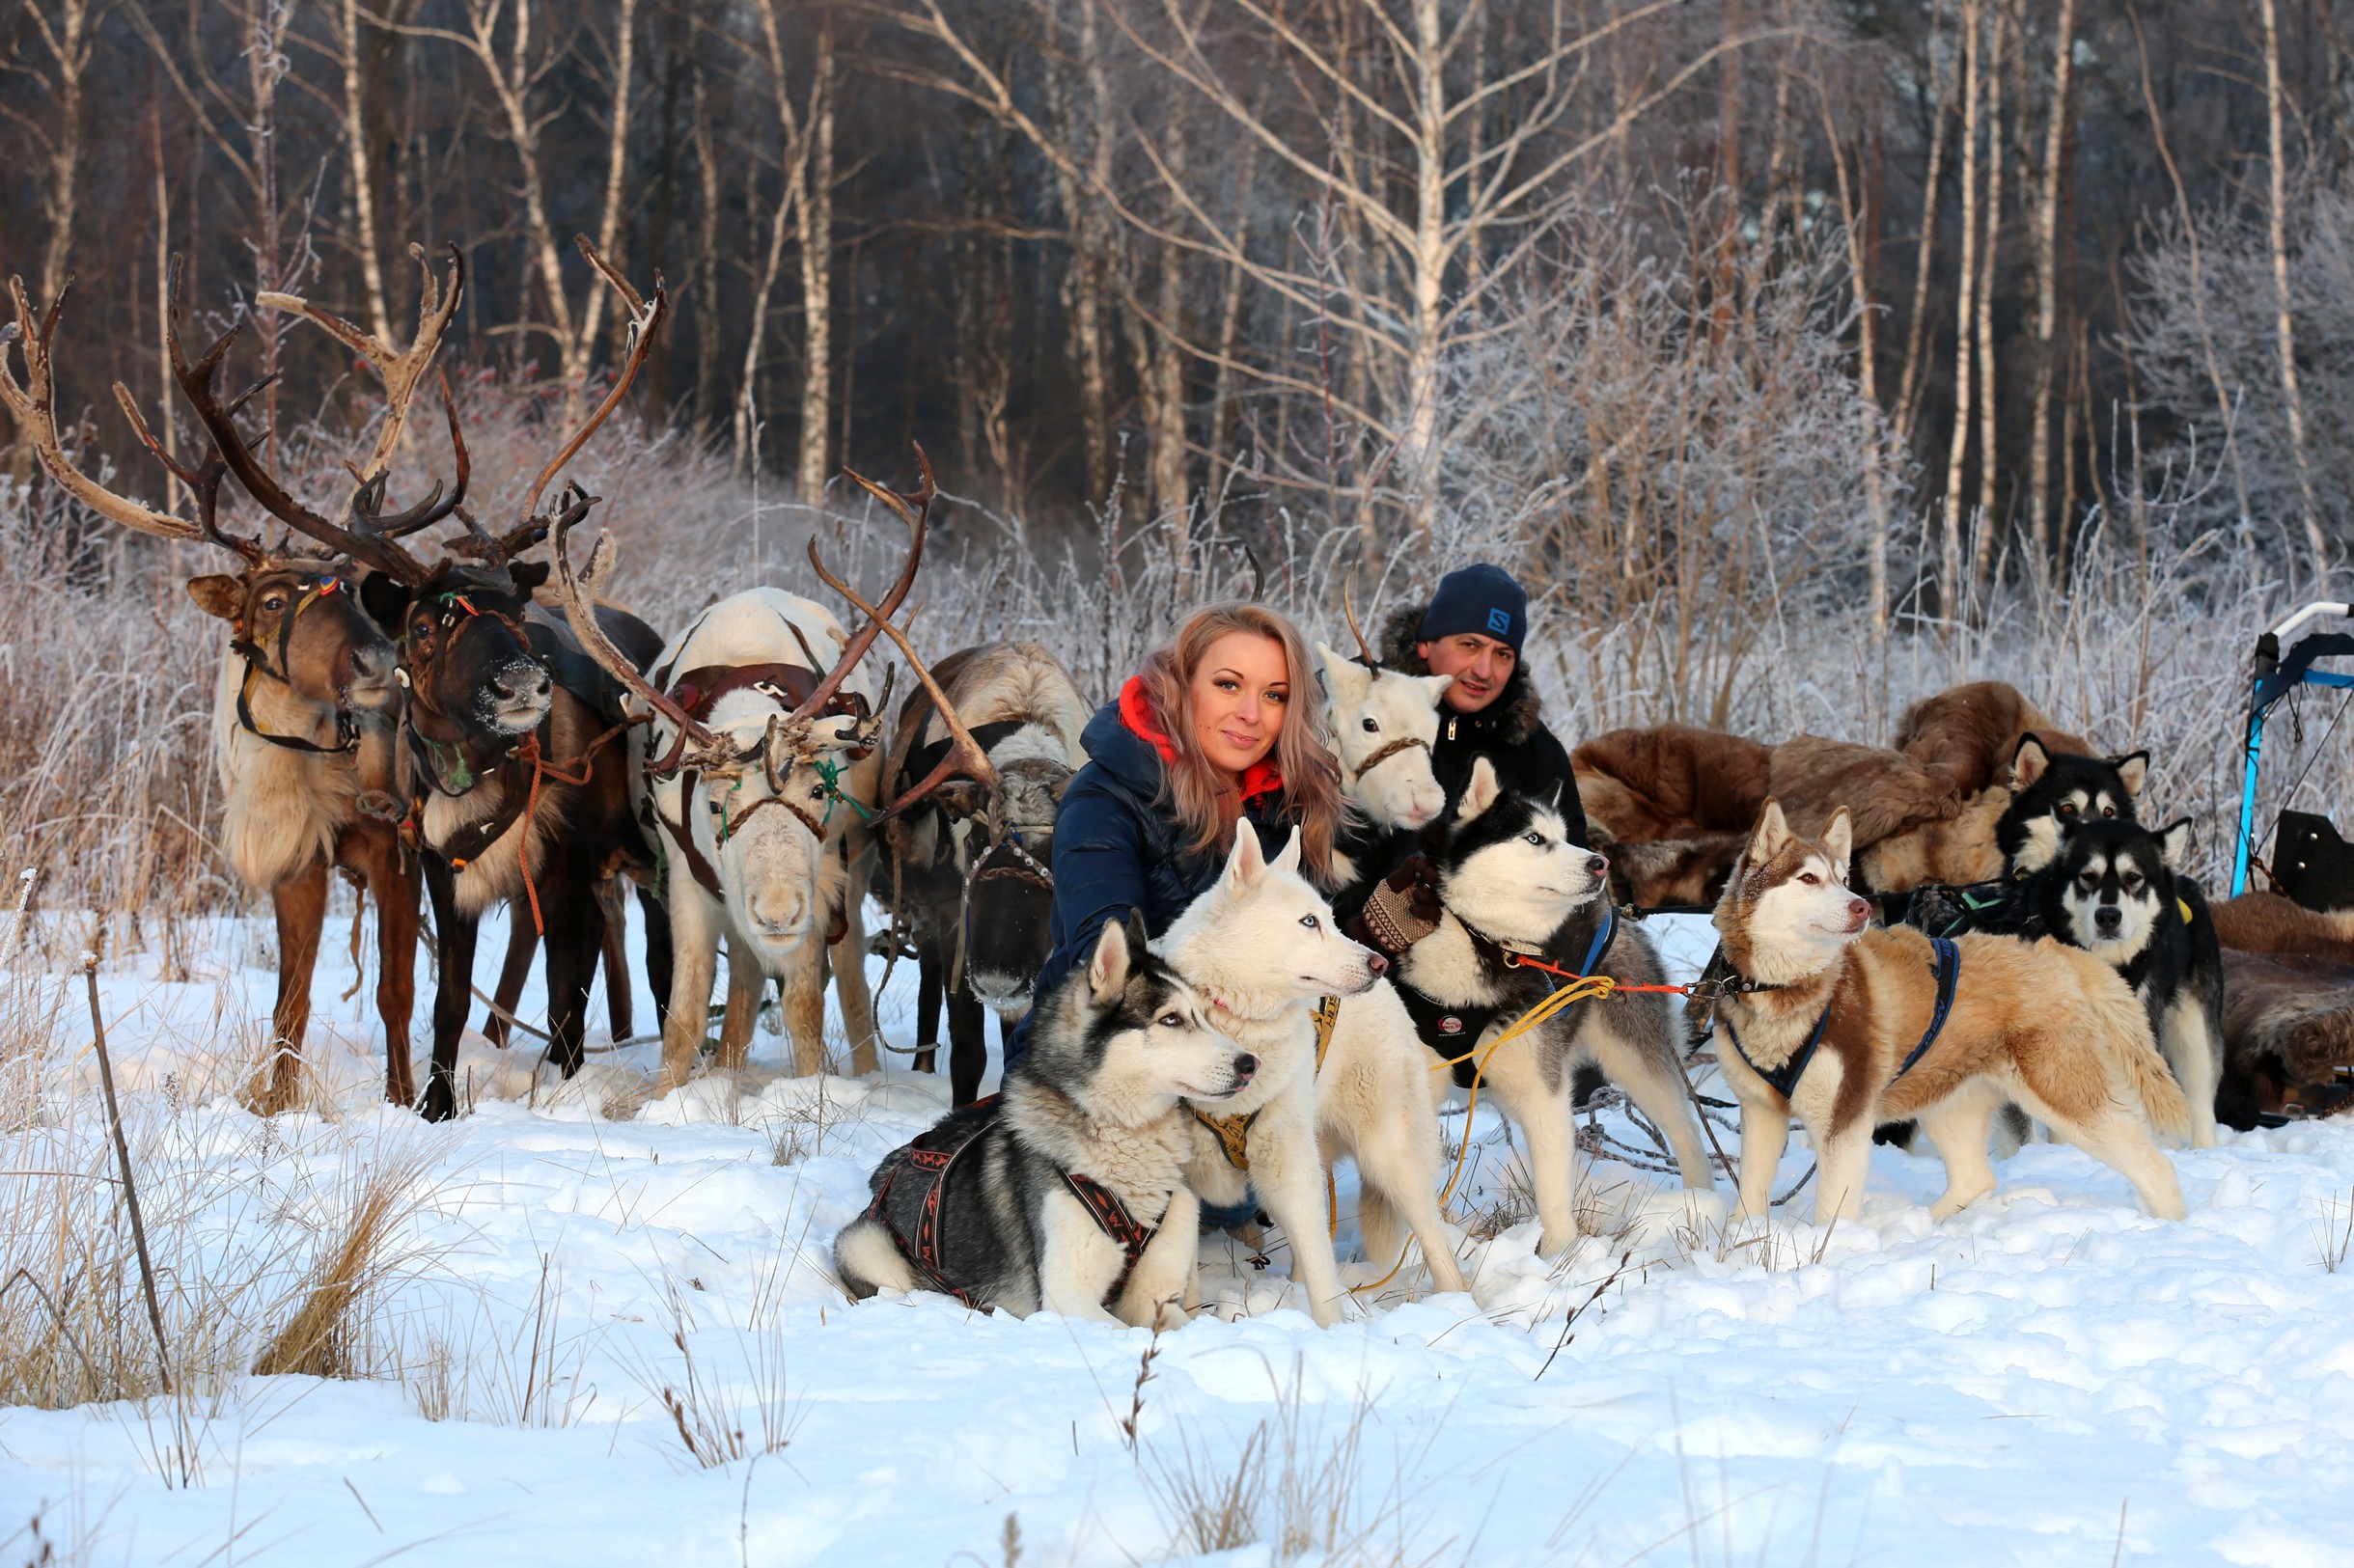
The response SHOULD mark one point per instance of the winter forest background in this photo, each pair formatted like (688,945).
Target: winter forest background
(1807,356)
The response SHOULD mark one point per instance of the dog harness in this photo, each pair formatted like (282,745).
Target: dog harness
(1234,1132)
(910,1211)
(1945,962)
(1450,1030)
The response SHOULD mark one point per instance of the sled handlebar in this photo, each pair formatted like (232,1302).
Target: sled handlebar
(2311,612)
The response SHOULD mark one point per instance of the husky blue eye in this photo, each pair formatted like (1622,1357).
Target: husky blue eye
(1312,923)
(1171,1020)
(1533,837)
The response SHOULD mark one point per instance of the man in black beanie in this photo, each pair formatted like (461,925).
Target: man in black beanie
(1472,629)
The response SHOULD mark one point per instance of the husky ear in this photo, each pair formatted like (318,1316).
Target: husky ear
(1290,859)
(2134,768)
(2028,762)
(1246,863)
(2175,844)
(1839,838)
(1107,971)
(1772,833)
(1480,793)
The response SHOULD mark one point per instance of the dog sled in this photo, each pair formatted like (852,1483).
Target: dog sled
(2310,862)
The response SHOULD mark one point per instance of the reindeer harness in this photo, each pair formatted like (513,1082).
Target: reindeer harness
(257,663)
(697,693)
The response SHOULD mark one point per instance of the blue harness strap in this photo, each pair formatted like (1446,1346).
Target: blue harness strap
(1784,1078)
(1603,935)
(1945,963)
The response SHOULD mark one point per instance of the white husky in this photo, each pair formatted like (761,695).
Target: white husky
(1263,946)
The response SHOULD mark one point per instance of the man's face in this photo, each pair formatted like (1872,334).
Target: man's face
(1480,666)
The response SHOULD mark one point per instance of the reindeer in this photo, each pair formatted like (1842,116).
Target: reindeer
(973,873)
(1384,723)
(515,786)
(723,744)
(304,707)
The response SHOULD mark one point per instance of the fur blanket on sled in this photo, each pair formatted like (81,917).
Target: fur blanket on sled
(1675,802)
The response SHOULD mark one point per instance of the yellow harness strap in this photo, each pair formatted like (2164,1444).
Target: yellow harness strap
(1234,1132)
(2184,905)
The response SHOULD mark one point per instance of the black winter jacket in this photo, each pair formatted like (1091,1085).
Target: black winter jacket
(1118,847)
(1510,732)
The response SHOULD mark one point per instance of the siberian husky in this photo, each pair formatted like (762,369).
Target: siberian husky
(1263,947)
(1066,1189)
(1844,1026)
(2051,792)
(1514,887)
(2115,891)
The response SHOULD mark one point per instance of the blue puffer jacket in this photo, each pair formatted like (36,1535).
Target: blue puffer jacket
(1116,846)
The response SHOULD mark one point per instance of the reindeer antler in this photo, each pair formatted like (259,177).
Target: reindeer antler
(33,404)
(914,509)
(698,745)
(364,544)
(1365,650)
(401,370)
(646,318)
(965,753)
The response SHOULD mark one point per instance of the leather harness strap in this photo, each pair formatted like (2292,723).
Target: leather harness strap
(935,1163)
(1945,963)
(257,663)
(1234,1132)
(698,692)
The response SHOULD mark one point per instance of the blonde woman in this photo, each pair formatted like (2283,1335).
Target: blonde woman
(1221,732)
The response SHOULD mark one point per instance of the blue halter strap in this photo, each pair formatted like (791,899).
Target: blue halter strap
(1945,962)
(1602,937)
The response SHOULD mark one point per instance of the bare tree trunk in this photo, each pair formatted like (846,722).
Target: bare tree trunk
(69,41)
(1982,543)
(2047,284)
(1419,464)
(1856,217)
(2285,333)
(1909,380)
(361,177)
(710,397)
(813,216)
(2223,410)
(1963,309)
(609,218)
(747,411)
(163,423)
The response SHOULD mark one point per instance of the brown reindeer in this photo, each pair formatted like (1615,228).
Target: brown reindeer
(509,768)
(303,709)
(972,873)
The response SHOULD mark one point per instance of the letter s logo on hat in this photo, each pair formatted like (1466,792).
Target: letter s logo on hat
(1500,621)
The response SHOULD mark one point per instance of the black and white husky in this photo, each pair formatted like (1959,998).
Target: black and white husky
(1066,1189)
(2113,888)
(1514,887)
(2052,792)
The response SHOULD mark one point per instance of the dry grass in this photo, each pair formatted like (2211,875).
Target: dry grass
(1309,1481)
(718,1416)
(360,1254)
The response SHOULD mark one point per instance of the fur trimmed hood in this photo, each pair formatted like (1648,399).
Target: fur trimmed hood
(1517,710)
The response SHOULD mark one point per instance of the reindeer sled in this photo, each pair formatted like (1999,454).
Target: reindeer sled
(2289,952)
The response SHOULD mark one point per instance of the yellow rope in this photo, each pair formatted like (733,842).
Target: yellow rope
(1581,989)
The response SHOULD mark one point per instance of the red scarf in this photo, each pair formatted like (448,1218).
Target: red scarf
(1260,778)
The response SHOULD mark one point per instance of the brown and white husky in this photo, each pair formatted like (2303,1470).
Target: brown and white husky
(1844,1026)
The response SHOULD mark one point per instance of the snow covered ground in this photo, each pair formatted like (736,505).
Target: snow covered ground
(583,1310)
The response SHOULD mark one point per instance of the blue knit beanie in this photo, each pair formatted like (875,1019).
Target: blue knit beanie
(1483,599)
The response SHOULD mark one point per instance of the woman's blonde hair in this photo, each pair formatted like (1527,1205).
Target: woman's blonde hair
(1302,753)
